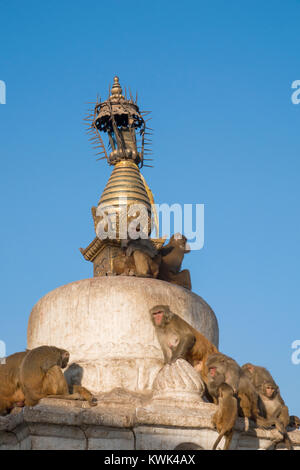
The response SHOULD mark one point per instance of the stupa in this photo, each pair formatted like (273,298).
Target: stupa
(104,323)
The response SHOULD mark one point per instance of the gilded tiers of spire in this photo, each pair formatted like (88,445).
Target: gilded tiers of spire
(116,91)
(125,184)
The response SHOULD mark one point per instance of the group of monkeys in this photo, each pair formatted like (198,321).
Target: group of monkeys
(248,391)
(141,258)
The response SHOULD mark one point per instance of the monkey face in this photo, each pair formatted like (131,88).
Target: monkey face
(158,317)
(65,356)
(269,390)
(212,371)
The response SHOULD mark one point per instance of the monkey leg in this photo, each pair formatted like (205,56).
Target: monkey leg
(183,279)
(5,406)
(85,394)
(54,382)
(284,416)
(214,419)
(154,267)
(55,386)
(244,405)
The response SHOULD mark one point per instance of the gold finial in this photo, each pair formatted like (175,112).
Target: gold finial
(116,91)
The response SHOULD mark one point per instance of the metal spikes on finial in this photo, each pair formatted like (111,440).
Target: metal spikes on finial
(124,124)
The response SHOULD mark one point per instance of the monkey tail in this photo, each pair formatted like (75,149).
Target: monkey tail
(218,440)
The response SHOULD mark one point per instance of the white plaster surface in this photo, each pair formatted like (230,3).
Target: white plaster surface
(104,323)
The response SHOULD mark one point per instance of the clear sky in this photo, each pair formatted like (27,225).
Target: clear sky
(217,76)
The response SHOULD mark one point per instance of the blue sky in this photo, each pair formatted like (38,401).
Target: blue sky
(217,76)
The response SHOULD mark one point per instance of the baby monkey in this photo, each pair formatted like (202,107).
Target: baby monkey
(226,414)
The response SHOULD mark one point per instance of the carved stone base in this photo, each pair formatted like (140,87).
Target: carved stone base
(178,384)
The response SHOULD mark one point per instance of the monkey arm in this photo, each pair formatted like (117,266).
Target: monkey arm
(167,352)
(183,347)
(165,250)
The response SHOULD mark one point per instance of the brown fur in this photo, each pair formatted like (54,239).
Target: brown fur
(226,414)
(10,388)
(41,376)
(226,369)
(294,422)
(137,263)
(178,339)
(273,409)
(172,257)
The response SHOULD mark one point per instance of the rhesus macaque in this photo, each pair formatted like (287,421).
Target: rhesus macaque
(172,257)
(178,339)
(271,404)
(258,375)
(274,410)
(41,376)
(140,258)
(226,414)
(10,389)
(220,368)
(294,422)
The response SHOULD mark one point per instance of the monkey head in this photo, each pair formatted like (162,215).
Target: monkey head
(248,367)
(160,315)
(212,371)
(64,358)
(216,365)
(269,390)
(180,241)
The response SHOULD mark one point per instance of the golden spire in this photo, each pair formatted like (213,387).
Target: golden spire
(116,91)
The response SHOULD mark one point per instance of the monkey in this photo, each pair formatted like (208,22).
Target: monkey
(226,414)
(274,411)
(171,261)
(271,404)
(294,422)
(258,375)
(178,339)
(221,368)
(41,376)
(141,256)
(73,375)
(11,393)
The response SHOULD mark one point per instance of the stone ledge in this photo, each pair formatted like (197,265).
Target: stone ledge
(66,424)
